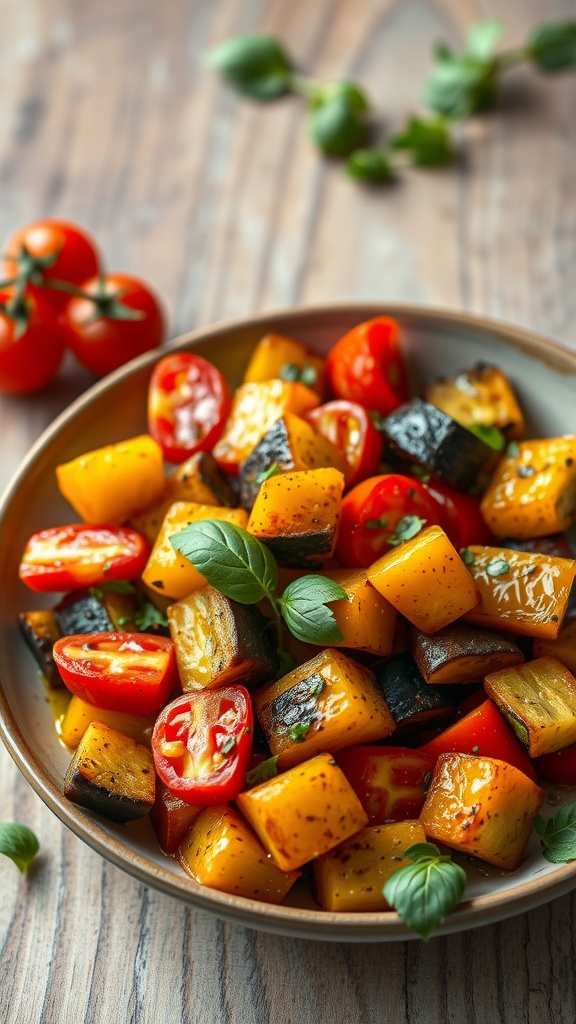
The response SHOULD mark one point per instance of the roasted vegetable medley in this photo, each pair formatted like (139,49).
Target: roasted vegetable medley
(314,624)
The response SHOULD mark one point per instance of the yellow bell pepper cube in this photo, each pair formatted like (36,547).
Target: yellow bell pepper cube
(79,714)
(277,356)
(366,620)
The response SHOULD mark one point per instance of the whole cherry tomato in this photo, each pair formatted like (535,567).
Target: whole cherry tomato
(51,250)
(188,404)
(202,744)
(366,366)
(350,427)
(132,672)
(115,319)
(380,512)
(76,556)
(462,519)
(32,342)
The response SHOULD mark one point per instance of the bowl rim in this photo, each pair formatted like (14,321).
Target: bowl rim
(287,920)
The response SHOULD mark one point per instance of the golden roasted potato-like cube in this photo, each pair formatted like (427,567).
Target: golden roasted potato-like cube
(276,355)
(112,774)
(303,812)
(219,641)
(563,647)
(329,703)
(426,580)
(112,484)
(481,806)
(538,700)
(520,592)
(167,571)
(351,877)
(80,713)
(482,395)
(533,492)
(296,515)
(222,852)
(366,620)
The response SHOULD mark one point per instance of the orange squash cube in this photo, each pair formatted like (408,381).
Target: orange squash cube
(482,807)
(276,355)
(426,580)
(482,395)
(563,647)
(366,620)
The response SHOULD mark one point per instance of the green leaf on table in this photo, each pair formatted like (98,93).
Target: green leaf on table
(257,65)
(230,559)
(428,140)
(483,38)
(370,165)
(19,843)
(303,605)
(558,834)
(426,890)
(461,84)
(552,46)
(337,118)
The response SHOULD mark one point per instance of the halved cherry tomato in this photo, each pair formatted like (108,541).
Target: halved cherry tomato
(188,404)
(366,366)
(482,731)
(349,426)
(32,342)
(371,512)
(76,556)
(49,250)
(202,744)
(118,671)
(390,782)
(558,767)
(462,519)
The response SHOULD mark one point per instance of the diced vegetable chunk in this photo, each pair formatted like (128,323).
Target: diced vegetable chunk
(366,620)
(460,653)
(112,774)
(538,699)
(278,356)
(483,396)
(79,714)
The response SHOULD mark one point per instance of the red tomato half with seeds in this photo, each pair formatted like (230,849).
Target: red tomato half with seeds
(390,782)
(202,743)
(373,514)
(350,427)
(367,366)
(78,556)
(132,672)
(188,405)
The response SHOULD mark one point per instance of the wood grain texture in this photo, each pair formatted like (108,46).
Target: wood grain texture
(110,117)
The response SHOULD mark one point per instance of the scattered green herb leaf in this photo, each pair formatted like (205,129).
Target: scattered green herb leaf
(552,46)
(466,556)
(407,528)
(306,374)
(376,524)
(513,450)
(257,65)
(428,141)
(228,745)
(370,165)
(299,731)
(19,843)
(271,471)
(558,834)
(303,605)
(498,566)
(337,118)
(491,435)
(426,890)
(149,616)
(263,771)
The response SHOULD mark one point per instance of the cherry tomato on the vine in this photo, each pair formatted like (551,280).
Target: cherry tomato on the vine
(117,318)
(350,427)
(32,342)
(188,404)
(366,366)
(372,512)
(51,250)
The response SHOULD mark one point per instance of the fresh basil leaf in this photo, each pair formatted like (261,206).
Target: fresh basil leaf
(460,85)
(466,556)
(490,434)
(498,566)
(303,605)
(370,165)
(337,118)
(263,771)
(148,616)
(552,46)
(558,835)
(427,140)
(257,65)
(19,843)
(426,890)
(230,559)
(483,38)
(406,528)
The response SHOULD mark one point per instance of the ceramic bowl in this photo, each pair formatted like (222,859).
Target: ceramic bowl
(436,343)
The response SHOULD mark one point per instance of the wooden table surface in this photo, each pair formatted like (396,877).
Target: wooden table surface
(110,117)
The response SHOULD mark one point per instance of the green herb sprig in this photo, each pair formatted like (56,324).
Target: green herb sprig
(19,843)
(458,86)
(243,569)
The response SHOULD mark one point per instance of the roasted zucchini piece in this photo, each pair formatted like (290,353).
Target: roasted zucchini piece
(304,812)
(519,592)
(533,490)
(426,580)
(351,877)
(483,396)
(329,703)
(414,705)
(296,515)
(112,774)
(461,653)
(278,356)
(219,641)
(426,435)
(40,631)
(538,700)
(290,444)
(222,852)
(482,807)
(171,818)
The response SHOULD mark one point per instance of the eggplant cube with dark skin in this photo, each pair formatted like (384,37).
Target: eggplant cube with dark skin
(414,705)
(40,631)
(111,774)
(461,653)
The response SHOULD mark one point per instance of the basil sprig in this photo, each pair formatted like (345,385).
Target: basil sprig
(426,890)
(558,834)
(243,569)
(19,843)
